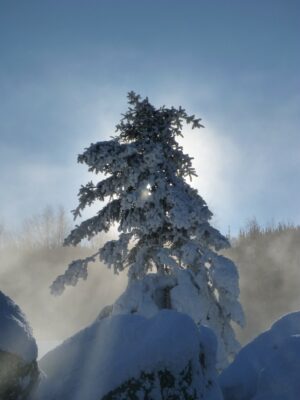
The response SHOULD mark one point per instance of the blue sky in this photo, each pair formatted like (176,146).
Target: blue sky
(66,66)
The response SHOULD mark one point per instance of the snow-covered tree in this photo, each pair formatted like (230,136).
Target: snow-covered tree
(165,241)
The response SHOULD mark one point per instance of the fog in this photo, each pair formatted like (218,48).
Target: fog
(31,260)
(267,258)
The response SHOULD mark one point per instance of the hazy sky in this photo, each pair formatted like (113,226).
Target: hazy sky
(66,66)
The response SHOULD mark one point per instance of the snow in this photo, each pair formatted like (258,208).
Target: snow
(144,296)
(268,367)
(114,349)
(148,295)
(163,224)
(15,332)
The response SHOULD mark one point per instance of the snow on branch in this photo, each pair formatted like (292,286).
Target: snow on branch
(76,270)
(163,223)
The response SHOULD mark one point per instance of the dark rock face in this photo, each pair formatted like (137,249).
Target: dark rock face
(17,378)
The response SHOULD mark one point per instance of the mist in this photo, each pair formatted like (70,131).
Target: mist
(267,259)
(32,258)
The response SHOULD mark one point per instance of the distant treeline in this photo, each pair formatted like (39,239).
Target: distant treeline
(253,230)
(45,230)
(33,256)
(49,228)
(268,260)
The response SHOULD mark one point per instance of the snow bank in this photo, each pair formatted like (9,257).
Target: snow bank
(187,292)
(15,332)
(144,296)
(269,366)
(112,350)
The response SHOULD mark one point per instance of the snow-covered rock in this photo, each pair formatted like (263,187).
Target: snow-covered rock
(124,355)
(269,366)
(18,352)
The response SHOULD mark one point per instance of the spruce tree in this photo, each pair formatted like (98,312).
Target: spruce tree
(165,242)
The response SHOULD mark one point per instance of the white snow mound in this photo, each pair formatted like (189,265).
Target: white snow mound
(114,349)
(180,291)
(15,332)
(269,366)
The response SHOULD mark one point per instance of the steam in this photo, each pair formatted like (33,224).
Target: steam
(29,264)
(268,263)
(267,259)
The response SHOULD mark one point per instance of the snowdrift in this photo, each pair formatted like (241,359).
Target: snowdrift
(124,355)
(15,332)
(180,291)
(18,352)
(269,366)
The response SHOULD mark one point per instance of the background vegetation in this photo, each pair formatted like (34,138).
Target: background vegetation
(268,259)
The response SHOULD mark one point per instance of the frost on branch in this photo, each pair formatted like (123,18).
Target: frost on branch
(163,223)
(76,270)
